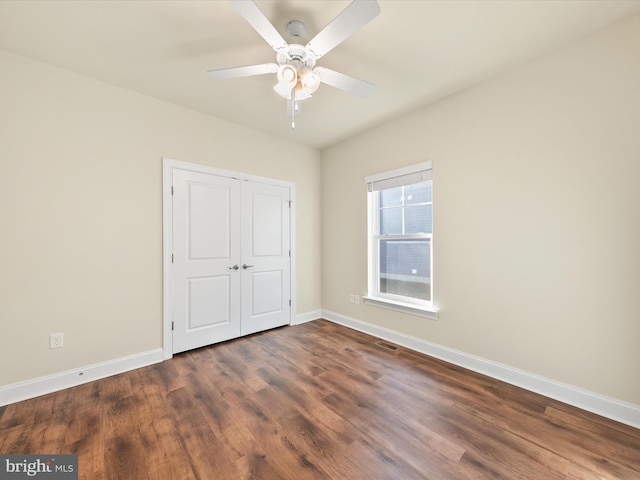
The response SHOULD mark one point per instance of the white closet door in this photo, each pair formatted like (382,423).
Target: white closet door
(206,259)
(266,258)
(230,275)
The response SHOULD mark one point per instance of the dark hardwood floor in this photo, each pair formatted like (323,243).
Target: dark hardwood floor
(316,401)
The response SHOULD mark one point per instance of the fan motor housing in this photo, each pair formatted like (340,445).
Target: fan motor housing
(297,54)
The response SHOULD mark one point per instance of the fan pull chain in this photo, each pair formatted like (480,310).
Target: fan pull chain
(293,107)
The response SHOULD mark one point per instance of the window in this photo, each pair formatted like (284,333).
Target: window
(400,240)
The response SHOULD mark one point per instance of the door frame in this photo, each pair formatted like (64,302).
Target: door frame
(168,166)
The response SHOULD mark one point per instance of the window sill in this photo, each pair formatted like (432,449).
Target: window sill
(426,312)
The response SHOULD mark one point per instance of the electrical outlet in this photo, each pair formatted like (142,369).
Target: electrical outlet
(352,299)
(357,297)
(56,340)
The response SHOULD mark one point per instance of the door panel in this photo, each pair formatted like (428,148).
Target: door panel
(265,253)
(209,208)
(208,301)
(267,290)
(206,229)
(267,224)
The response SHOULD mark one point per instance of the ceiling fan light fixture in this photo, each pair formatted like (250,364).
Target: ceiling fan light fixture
(298,91)
(309,80)
(287,75)
(298,78)
(301,92)
(283,90)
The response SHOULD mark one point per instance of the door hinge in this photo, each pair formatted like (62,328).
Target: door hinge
(289,302)
(172,258)
(289,253)
(171,326)
(290,202)
(172,190)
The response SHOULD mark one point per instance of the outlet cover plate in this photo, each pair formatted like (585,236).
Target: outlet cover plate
(56,340)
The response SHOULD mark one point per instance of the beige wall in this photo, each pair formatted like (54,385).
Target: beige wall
(536,216)
(81,212)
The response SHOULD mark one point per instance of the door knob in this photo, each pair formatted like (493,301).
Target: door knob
(245,266)
(235,267)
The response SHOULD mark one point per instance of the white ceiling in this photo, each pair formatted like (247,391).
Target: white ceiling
(416,52)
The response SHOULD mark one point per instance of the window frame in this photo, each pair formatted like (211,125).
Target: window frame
(400,303)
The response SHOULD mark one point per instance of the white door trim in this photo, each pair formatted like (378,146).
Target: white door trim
(168,165)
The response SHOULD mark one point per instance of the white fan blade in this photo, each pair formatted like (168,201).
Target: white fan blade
(357,14)
(259,22)
(345,82)
(248,71)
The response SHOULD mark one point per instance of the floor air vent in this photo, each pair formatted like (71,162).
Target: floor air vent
(386,345)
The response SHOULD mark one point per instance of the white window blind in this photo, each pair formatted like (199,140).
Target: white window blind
(399,180)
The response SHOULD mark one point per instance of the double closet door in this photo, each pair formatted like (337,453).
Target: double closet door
(231,258)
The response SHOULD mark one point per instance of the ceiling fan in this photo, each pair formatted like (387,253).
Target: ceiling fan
(295,68)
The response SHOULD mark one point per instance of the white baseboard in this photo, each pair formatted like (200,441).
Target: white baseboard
(307,317)
(17,392)
(612,408)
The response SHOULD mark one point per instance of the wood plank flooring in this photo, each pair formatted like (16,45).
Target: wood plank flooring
(316,401)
